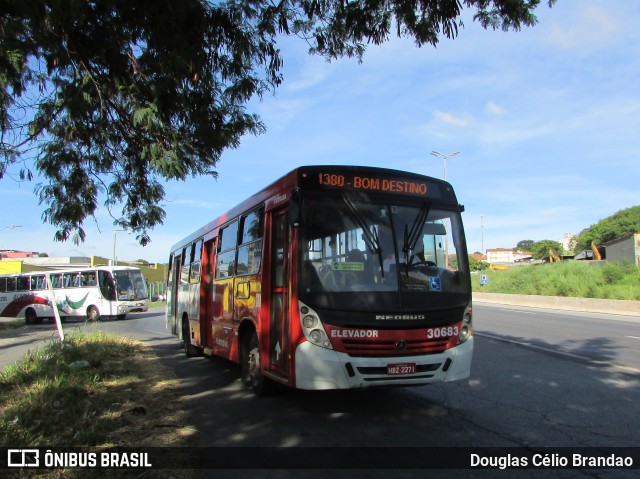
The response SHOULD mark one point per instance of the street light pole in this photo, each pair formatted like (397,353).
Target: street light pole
(444,157)
(482,232)
(115,234)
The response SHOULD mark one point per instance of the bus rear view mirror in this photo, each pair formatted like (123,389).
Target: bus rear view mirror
(295,205)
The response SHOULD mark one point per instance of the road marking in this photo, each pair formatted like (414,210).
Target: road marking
(518,311)
(601,363)
(633,337)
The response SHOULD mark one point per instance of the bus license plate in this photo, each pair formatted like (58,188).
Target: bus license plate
(399,369)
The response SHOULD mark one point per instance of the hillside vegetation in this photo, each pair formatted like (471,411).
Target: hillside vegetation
(622,223)
(577,279)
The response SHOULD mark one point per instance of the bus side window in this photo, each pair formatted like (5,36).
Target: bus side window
(88,279)
(250,251)
(11,284)
(70,280)
(226,263)
(3,285)
(186,263)
(23,283)
(196,253)
(37,282)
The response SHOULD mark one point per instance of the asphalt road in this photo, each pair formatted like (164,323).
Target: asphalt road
(605,338)
(540,378)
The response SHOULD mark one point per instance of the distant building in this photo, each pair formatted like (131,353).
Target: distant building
(508,256)
(478,257)
(626,248)
(568,242)
(60,262)
(13,254)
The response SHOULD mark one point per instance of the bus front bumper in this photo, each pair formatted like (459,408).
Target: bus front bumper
(319,368)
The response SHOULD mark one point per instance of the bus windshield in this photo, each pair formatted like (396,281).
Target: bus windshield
(354,244)
(130,285)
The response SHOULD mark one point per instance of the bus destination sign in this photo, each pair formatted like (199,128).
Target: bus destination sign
(369,183)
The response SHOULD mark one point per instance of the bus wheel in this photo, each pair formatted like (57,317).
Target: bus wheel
(190,350)
(30,316)
(93,314)
(251,369)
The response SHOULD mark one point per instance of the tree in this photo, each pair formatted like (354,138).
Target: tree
(622,223)
(105,100)
(477,265)
(525,245)
(540,249)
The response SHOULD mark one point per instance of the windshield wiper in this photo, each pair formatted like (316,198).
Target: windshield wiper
(370,237)
(411,236)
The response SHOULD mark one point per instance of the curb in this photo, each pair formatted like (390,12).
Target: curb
(590,305)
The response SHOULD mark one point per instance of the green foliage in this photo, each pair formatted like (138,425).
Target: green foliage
(476,265)
(525,245)
(112,97)
(581,279)
(540,249)
(622,223)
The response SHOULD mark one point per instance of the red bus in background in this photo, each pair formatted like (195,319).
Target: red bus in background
(332,277)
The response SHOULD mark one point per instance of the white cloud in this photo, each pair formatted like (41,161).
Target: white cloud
(593,28)
(494,108)
(314,71)
(462,120)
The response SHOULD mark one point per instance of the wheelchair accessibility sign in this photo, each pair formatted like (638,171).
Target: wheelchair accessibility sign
(435,284)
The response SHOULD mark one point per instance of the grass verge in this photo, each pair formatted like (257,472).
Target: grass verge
(95,390)
(582,279)
(12,324)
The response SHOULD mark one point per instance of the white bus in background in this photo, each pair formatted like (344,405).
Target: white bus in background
(92,293)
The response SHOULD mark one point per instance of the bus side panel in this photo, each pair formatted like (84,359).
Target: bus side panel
(14,305)
(73,302)
(247,301)
(194,313)
(223,319)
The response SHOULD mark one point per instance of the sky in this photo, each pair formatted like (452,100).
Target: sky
(546,122)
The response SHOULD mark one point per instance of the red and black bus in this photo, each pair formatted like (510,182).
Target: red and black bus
(332,277)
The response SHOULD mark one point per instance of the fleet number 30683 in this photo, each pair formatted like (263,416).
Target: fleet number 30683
(443,332)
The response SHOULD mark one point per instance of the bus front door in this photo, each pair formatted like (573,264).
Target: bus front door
(206,293)
(172,295)
(279,294)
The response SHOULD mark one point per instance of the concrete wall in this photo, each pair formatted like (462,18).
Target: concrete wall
(608,306)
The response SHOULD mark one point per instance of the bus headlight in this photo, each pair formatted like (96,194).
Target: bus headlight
(316,336)
(309,321)
(466,331)
(312,328)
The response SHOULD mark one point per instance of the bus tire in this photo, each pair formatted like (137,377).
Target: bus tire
(92,313)
(190,350)
(250,369)
(30,316)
